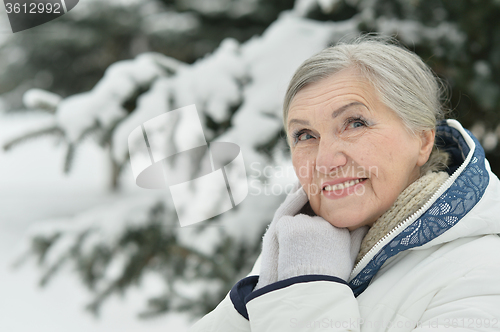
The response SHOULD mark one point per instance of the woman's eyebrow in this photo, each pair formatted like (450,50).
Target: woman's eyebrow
(335,113)
(344,108)
(303,122)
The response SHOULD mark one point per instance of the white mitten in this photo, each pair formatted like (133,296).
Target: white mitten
(311,245)
(269,261)
(301,244)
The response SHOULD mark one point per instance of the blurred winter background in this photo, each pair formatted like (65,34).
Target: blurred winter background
(82,248)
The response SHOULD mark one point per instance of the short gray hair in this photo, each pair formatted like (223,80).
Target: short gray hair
(403,81)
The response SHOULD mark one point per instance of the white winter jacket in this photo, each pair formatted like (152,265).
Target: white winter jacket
(439,270)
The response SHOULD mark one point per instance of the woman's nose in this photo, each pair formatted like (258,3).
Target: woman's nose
(330,157)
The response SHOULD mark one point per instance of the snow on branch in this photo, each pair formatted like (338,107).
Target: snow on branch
(41,99)
(212,83)
(415,32)
(103,105)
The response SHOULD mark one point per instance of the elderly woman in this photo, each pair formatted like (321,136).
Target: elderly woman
(394,223)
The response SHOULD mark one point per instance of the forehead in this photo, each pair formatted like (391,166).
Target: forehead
(330,93)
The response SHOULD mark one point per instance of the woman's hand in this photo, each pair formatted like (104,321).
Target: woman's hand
(299,244)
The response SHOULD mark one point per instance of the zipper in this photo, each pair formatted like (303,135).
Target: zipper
(408,221)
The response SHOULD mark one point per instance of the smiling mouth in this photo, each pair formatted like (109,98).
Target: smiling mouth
(344,185)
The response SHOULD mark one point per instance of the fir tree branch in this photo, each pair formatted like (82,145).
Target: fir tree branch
(52,270)
(54,129)
(68,160)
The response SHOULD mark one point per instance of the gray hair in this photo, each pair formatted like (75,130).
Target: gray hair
(403,81)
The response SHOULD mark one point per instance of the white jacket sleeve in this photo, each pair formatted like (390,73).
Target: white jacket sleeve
(303,303)
(294,304)
(224,318)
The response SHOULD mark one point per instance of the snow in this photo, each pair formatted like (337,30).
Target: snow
(32,189)
(170,22)
(187,126)
(41,99)
(478,130)
(303,7)
(414,32)
(490,141)
(149,105)
(482,68)
(126,213)
(242,8)
(327,6)
(117,266)
(102,106)
(209,7)
(205,242)
(211,82)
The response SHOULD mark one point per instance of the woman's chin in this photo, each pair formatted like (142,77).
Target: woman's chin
(351,225)
(353,228)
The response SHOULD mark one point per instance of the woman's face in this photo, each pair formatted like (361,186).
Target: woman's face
(352,154)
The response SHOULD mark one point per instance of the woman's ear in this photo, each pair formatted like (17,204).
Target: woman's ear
(427,138)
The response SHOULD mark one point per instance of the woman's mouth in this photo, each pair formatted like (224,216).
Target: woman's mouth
(343,189)
(343,185)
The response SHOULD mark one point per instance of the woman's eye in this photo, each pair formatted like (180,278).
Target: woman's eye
(356,123)
(301,136)
(304,137)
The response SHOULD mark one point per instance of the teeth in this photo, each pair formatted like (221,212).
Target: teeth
(344,185)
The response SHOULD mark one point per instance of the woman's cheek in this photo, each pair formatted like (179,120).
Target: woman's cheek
(304,169)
